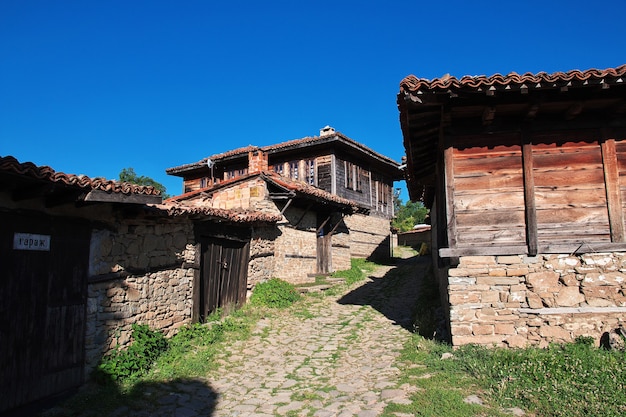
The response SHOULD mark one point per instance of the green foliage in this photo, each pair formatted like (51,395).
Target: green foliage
(408,215)
(274,293)
(145,348)
(358,268)
(129,175)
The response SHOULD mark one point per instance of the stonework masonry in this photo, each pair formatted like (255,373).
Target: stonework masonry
(119,294)
(296,247)
(369,236)
(519,300)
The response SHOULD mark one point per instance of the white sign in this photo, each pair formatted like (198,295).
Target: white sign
(29,241)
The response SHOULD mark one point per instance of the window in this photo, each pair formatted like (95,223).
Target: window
(279,169)
(349,168)
(234,172)
(293,169)
(309,165)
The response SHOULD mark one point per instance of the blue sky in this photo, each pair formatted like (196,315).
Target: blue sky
(92,87)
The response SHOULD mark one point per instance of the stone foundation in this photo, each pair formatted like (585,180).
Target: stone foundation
(518,300)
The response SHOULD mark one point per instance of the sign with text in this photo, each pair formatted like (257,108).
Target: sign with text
(29,241)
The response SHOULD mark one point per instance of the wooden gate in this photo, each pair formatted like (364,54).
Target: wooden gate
(224,274)
(43,264)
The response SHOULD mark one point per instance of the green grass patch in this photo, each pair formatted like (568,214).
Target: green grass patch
(359,268)
(560,380)
(274,293)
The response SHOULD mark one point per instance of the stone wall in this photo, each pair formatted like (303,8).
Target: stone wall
(295,256)
(139,273)
(519,300)
(244,195)
(370,236)
(262,263)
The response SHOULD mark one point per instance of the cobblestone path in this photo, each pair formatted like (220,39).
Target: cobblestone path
(334,357)
(325,356)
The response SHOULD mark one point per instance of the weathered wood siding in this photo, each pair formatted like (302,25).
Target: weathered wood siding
(42,308)
(570,193)
(488,206)
(488,192)
(324,173)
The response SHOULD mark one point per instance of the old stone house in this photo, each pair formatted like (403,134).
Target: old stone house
(85,258)
(335,194)
(524,177)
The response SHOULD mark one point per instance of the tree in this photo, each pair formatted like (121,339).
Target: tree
(129,175)
(408,215)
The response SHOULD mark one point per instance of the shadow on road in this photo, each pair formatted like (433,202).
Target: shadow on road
(181,397)
(396,294)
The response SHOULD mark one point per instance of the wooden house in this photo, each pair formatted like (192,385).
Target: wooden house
(83,258)
(524,177)
(336,196)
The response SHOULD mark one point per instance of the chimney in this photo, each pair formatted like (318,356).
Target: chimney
(327,131)
(257,161)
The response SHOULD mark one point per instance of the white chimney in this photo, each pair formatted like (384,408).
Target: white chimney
(327,131)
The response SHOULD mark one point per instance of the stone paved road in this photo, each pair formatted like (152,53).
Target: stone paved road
(330,356)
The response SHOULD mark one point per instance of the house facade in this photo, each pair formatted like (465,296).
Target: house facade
(524,177)
(335,194)
(85,258)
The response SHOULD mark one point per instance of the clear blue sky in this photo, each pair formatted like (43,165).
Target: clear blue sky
(92,87)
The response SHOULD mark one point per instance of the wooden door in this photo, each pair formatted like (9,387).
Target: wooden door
(324,245)
(224,276)
(42,307)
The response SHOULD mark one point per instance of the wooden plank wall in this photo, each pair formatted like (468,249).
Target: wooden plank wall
(570,193)
(488,192)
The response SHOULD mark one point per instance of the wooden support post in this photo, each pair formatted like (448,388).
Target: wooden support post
(612,186)
(530,207)
(448,179)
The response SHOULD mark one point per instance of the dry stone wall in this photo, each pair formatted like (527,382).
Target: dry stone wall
(139,273)
(519,300)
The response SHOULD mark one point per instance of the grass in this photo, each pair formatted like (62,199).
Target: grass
(358,269)
(561,380)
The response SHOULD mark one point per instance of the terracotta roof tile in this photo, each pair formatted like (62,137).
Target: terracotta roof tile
(233,215)
(9,164)
(309,140)
(412,84)
(305,189)
(214,158)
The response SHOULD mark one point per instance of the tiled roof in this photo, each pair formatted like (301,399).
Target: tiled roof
(305,189)
(273,178)
(514,81)
(212,188)
(233,215)
(214,158)
(10,165)
(310,140)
